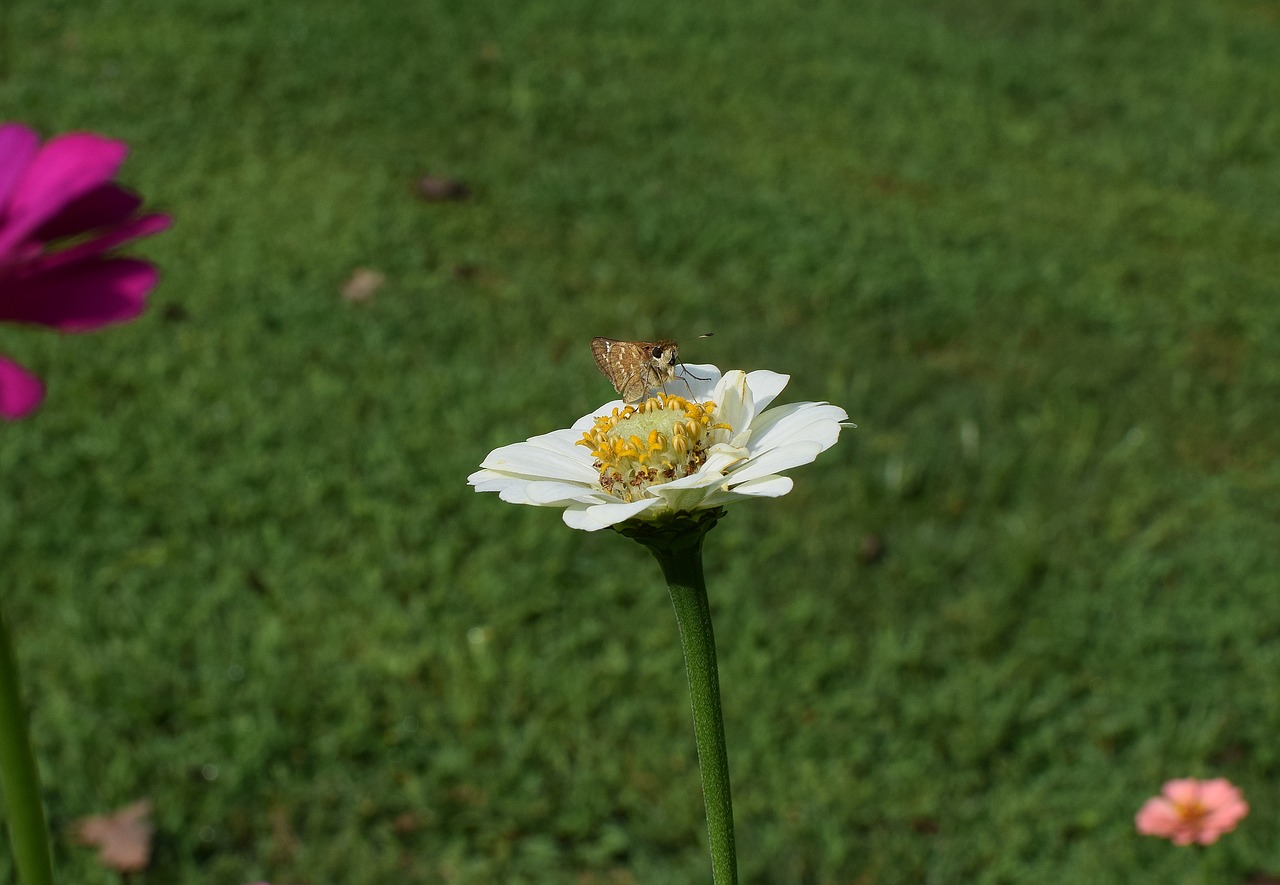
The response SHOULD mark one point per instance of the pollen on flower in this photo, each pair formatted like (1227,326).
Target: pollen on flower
(663,438)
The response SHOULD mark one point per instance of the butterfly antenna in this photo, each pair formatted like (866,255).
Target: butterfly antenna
(686,369)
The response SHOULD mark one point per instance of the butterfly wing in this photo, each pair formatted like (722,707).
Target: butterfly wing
(621,362)
(634,387)
(600,348)
(635,367)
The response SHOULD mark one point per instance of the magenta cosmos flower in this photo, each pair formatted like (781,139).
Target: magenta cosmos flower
(61,216)
(1191,810)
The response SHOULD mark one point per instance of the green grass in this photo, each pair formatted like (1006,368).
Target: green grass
(1032,247)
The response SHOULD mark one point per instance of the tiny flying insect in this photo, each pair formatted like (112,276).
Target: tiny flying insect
(636,367)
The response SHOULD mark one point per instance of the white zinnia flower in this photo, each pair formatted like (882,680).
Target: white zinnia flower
(668,454)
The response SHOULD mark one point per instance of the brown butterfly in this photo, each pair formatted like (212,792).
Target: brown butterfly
(636,367)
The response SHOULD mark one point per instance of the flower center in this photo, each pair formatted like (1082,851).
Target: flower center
(663,438)
(1190,812)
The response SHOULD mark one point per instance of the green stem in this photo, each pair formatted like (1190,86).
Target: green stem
(19,780)
(677,545)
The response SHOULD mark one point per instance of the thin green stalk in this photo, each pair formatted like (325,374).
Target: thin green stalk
(19,780)
(677,545)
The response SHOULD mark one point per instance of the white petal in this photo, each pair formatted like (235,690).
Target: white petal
(689,492)
(701,479)
(776,460)
(818,422)
(590,518)
(516,492)
(702,379)
(721,457)
(552,494)
(764,487)
(734,405)
(685,493)
(551,456)
(741,396)
(488,481)
(765,386)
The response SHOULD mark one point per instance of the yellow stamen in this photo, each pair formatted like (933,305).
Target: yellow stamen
(663,438)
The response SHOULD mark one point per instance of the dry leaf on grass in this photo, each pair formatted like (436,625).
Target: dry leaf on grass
(363,282)
(123,838)
(870,549)
(438,189)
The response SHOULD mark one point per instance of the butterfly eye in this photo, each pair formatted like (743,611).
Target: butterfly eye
(657,352)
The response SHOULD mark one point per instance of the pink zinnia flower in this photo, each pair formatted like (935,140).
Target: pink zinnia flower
(61,194)
(1191,810)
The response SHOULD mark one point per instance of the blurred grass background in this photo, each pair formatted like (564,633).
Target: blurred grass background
(1032,246)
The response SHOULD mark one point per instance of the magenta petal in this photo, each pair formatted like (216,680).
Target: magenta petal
(18,145)
(139,227)
(104,205)
(81,296)
(20,391)
(64,169)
